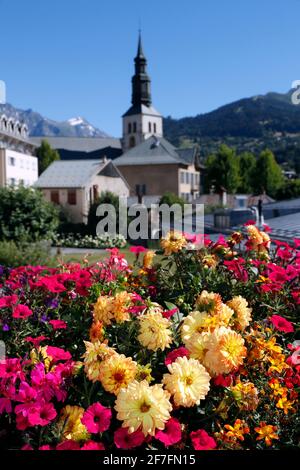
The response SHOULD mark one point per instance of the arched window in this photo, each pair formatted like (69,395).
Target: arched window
(149,127)
(129,128)
(154,125)
(132,142)
(134,127)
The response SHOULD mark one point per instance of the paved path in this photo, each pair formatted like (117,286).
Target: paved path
(286,226)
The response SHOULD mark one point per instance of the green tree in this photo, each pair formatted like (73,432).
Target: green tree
(106,197)
(223,170)
(267,174)
(247,164)
(170,198)
(25,216)
(46,155)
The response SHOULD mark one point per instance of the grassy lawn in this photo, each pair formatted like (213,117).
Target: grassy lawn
(92,257)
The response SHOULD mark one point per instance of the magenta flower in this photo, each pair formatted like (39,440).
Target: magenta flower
(281,324)
(171,434)
(124,440)
(58,324)
(92,445)
(21,311)
(96,418)
(172,356)
(202,441)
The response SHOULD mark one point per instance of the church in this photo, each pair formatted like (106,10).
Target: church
(148,162)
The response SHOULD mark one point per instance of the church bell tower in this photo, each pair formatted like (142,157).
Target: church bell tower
(141,121)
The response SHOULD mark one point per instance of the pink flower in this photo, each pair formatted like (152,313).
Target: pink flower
(26,447)
(21,311)
(137,249)
(202,441)
(172,356)
(5,405)
(47,413)
(281,324)
(68,445)
(249,222)
(26,393)
(8,301)
(170,313)
(45,447)
(124,440)
(171,434)
(58,324)
(58,354)
(27,415)
(96,418)
(92,445)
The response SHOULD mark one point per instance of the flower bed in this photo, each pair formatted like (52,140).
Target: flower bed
(198,351)
(72,240)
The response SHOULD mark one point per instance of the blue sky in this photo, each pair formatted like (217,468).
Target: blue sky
(65,58)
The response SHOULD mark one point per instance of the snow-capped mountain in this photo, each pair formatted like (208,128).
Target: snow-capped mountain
(42,126)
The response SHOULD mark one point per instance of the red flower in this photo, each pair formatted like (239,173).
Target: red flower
(58,354)
(202,441)
(223,381)
(249,222)
(171,434)
(58,324)
(96,418)
(68,445)
(21,311)
(170,313)
(281,324)
(172,356)
(92,445)
(45,447)
(35,341)
(8,301)
(124,440)
(137,249)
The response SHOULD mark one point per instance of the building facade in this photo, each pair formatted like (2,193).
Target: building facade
(18,164)
(76,184)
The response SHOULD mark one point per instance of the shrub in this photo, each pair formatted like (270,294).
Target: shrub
(13,255)
(25,215)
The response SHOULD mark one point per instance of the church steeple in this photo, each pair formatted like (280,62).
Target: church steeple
(141,93)
(141,120)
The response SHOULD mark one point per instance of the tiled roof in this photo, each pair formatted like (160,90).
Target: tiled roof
(70,173)
(153,151)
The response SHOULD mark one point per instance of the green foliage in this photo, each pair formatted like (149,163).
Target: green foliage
(13,255)
(289,190)
(25,215)
(247,164)
(46,155)
(223,169)
(105,197)
(267,175)
(170,198)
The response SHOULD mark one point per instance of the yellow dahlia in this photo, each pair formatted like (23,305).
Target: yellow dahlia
(148,259)
(187,381)
(144,407)
(195,323)
(121,303)
(154,330)
(173,242)
(94,354)
(241,310)
(116,372)
(226,351)
(197,345)
(103,309)
(70,425)
(208,302)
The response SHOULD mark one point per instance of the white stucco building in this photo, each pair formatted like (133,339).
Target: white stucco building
(18,165)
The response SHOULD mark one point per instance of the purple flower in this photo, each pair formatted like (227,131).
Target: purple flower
(52,303)
(5,327)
